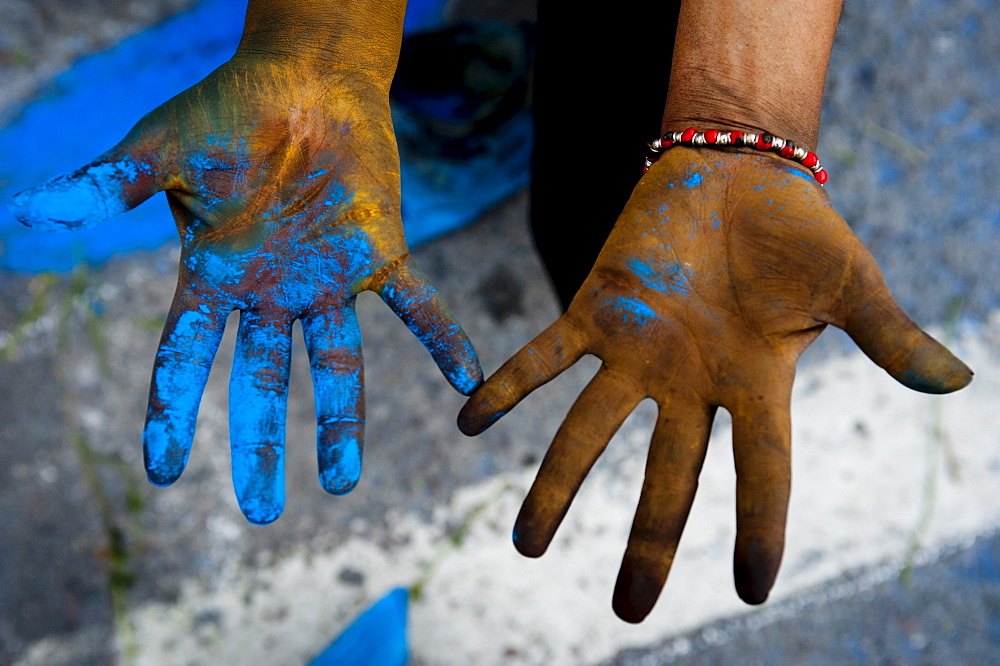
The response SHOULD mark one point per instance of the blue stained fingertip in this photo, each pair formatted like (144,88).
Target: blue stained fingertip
(164,460)
(340,473)
(60,205)
(258,478)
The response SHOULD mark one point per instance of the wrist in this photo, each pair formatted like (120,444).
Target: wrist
(354,34)
(745,65)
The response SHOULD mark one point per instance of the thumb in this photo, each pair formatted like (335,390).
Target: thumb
(406,290)
(118,180)
(889,337)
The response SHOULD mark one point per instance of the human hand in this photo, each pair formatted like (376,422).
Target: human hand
(721,270)
(282,174)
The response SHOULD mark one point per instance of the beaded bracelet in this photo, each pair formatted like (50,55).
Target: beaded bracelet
(735,138)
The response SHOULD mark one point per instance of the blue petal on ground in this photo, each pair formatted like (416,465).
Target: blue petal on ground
(91,106)
(376,638)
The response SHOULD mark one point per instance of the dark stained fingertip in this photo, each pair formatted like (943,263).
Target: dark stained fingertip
(527,539)
(755,568)
(471,421)
(931,368)
(635,594)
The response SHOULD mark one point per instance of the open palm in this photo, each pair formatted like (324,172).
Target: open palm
(721,270)
(284,183)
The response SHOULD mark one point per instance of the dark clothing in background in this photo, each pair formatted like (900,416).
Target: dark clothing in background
(600,84)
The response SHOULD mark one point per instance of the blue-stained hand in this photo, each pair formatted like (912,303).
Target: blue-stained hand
(283,180)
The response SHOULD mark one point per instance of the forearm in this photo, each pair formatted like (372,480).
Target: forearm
(362,34)
(752,64)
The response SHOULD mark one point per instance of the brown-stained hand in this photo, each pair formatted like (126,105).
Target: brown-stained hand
(722,269)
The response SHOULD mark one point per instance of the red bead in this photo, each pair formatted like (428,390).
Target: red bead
(688,135)
(764,141)
(665,144)
(788,150)
(711,136)
(645,169)
(735,137)
(810,160)
(821,176)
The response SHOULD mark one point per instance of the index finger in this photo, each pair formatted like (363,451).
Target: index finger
(191,336)
(414,300)
(554,350)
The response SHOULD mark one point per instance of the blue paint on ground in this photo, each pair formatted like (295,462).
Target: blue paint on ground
(888,171)
(376,638)
(954,114)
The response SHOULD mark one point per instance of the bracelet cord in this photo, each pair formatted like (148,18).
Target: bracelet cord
(737,139)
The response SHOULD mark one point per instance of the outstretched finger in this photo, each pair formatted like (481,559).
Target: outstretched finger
(117,181)
(591,423)
(889,337)
(190,339)
(676,455)
(762,453)
(334,343)
(554,350)
(406,290)
(258,393)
